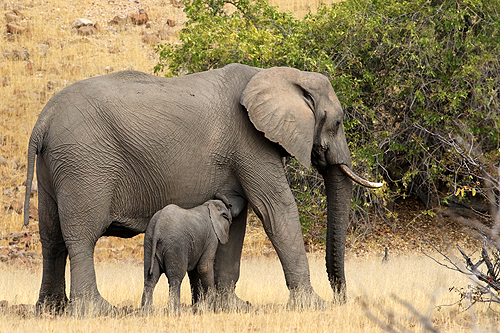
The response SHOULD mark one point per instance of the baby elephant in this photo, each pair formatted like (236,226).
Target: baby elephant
(180,240)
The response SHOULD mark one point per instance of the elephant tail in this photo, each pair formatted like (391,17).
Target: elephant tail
(33,149)
(154,243)
(153,254)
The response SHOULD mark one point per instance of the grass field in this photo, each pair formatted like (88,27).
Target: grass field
(414,279)
(40,62)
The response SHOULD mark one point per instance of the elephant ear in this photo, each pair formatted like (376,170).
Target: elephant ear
(274,99)
(219,222)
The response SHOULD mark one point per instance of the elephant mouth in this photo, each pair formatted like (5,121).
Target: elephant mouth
(319,160)
(318,157)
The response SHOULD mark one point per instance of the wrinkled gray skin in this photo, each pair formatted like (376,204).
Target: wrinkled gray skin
(180,240)
(114,149)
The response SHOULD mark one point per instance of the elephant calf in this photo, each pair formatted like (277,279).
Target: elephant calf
(181,240)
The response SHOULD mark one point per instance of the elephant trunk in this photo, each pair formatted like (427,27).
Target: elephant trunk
(338,190)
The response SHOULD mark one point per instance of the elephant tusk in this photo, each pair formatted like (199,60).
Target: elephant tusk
(358,179)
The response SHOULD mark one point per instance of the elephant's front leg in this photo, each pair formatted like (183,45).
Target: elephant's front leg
(227,266)
(284,231)
(271,198)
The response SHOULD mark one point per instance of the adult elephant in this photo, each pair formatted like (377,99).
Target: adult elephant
(114,149)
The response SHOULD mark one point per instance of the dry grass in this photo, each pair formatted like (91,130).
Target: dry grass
(371,285)
(300,7)
(58,56)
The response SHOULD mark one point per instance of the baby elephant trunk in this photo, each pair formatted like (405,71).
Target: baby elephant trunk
(224,199)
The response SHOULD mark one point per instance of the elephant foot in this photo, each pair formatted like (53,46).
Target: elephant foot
(302,299)
(147,309)
(229,302)
(51,304)
(95,306)
(339,298)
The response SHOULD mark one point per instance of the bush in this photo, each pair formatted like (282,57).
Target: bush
(418,80)
(220,32)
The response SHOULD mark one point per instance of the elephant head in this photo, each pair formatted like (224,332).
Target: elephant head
(301,112)
(221,218)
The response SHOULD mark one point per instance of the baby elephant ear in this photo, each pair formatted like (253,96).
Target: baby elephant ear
(275,103)
(220,217)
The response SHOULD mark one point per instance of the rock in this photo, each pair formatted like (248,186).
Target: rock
(118,20)
(16,206)
(85,27)
(82,22)
(15,236)
(33,212)
(29,70)
(14,28)
(11,18)
(16,55)
(171,22)
(51,85)
(4,304)
(20,55)
(32,255)
(139,19)
(14,16)
(86,30)
(3,161)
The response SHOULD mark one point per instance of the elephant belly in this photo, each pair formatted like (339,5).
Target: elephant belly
(135,204)
(118,229)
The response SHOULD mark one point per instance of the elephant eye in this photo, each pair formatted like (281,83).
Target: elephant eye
(309,100)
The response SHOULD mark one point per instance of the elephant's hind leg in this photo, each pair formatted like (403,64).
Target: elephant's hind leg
(83,221)
(150,281)
(52,297)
